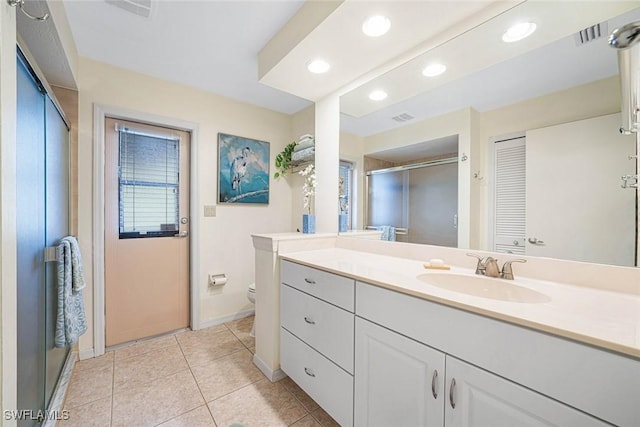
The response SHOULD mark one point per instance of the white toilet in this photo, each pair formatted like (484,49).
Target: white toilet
(251,294)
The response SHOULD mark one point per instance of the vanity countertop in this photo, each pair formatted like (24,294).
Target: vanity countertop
(606,319)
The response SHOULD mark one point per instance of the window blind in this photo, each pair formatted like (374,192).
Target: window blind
(148,185)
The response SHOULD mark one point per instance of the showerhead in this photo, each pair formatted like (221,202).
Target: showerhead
(625,36)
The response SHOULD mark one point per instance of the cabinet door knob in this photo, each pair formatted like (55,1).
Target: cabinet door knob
(451,389)
(310,281)
(434,383)
(309,321)
(309,372)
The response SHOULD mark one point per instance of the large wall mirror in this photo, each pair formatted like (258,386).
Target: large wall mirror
(521,139)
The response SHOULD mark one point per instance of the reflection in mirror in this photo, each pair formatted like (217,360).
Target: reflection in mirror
(539,124)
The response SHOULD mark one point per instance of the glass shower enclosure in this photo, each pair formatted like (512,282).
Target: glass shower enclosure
(420,201)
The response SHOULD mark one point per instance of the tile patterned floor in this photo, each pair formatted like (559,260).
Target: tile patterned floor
(191,379)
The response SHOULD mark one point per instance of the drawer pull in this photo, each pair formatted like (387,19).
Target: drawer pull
(310,281)
(309,372)
(434,382)
(451,400)
(309,321)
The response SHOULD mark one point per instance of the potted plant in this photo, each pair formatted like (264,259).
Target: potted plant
(283,160)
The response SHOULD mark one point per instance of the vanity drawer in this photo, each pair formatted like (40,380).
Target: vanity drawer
(325,382)
(323,326)
(330,287)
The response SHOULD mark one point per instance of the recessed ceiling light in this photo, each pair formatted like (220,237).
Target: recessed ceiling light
(318,66)
(376,25)
(518,32)
(377,95)
(434,69)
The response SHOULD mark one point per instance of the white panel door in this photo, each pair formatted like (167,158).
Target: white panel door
(575,203)
(478,398)
(398,381)
(146,230)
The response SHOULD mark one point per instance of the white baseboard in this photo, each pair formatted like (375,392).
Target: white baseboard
(272,375)
(228,318)
(86,354)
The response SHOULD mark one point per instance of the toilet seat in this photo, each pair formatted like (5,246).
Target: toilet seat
(251,293)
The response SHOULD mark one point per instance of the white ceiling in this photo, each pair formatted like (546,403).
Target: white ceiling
(214,45)
(493,74)
(210,45)
(339,40)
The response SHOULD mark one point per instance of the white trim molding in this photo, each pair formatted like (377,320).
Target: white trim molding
(272,375)
(229,318)
(100,112)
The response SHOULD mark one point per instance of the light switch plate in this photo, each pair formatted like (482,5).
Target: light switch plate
(209,210)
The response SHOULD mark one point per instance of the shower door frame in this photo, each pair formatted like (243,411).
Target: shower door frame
(439,162)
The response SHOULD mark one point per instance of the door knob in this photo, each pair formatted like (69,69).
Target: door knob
(535,241)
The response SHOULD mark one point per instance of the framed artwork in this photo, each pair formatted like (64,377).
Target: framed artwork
(243,170)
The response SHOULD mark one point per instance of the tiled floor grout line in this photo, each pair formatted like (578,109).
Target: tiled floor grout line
(206,404)
(187,344)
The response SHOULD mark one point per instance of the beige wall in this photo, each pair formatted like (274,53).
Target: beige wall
(303,122)
(593,99)
(590,100)
(68,100)
(8,269)
(225,240)
(461,123)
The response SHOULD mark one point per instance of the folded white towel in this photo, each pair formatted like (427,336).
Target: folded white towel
(304,144)
(305,154)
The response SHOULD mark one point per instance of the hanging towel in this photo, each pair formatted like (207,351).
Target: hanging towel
(388,232)
(305,154)
(71,321)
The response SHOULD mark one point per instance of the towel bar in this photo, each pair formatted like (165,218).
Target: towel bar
(399,231)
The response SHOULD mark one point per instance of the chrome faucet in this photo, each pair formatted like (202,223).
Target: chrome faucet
(488,266)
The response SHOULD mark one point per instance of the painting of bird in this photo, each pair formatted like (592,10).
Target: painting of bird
(238,169)
(243,175)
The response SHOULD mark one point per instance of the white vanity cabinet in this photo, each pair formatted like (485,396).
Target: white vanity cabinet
(505,375)
(475,397)
(399,381)
(372,356)
(317,335)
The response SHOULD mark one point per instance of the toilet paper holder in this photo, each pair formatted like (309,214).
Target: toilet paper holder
(217,279)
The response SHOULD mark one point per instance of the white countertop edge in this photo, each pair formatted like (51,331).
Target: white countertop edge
(542,317)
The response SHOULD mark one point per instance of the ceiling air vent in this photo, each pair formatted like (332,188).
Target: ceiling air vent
(590,34)
(139,7)
(404,117)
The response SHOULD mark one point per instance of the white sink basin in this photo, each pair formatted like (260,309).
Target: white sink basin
(484,287)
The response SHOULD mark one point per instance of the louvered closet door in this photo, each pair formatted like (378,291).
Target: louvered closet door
(510,196)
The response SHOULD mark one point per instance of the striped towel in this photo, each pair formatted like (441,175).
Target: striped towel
(71,321)
(305,154)
(304,142)
(388,232)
